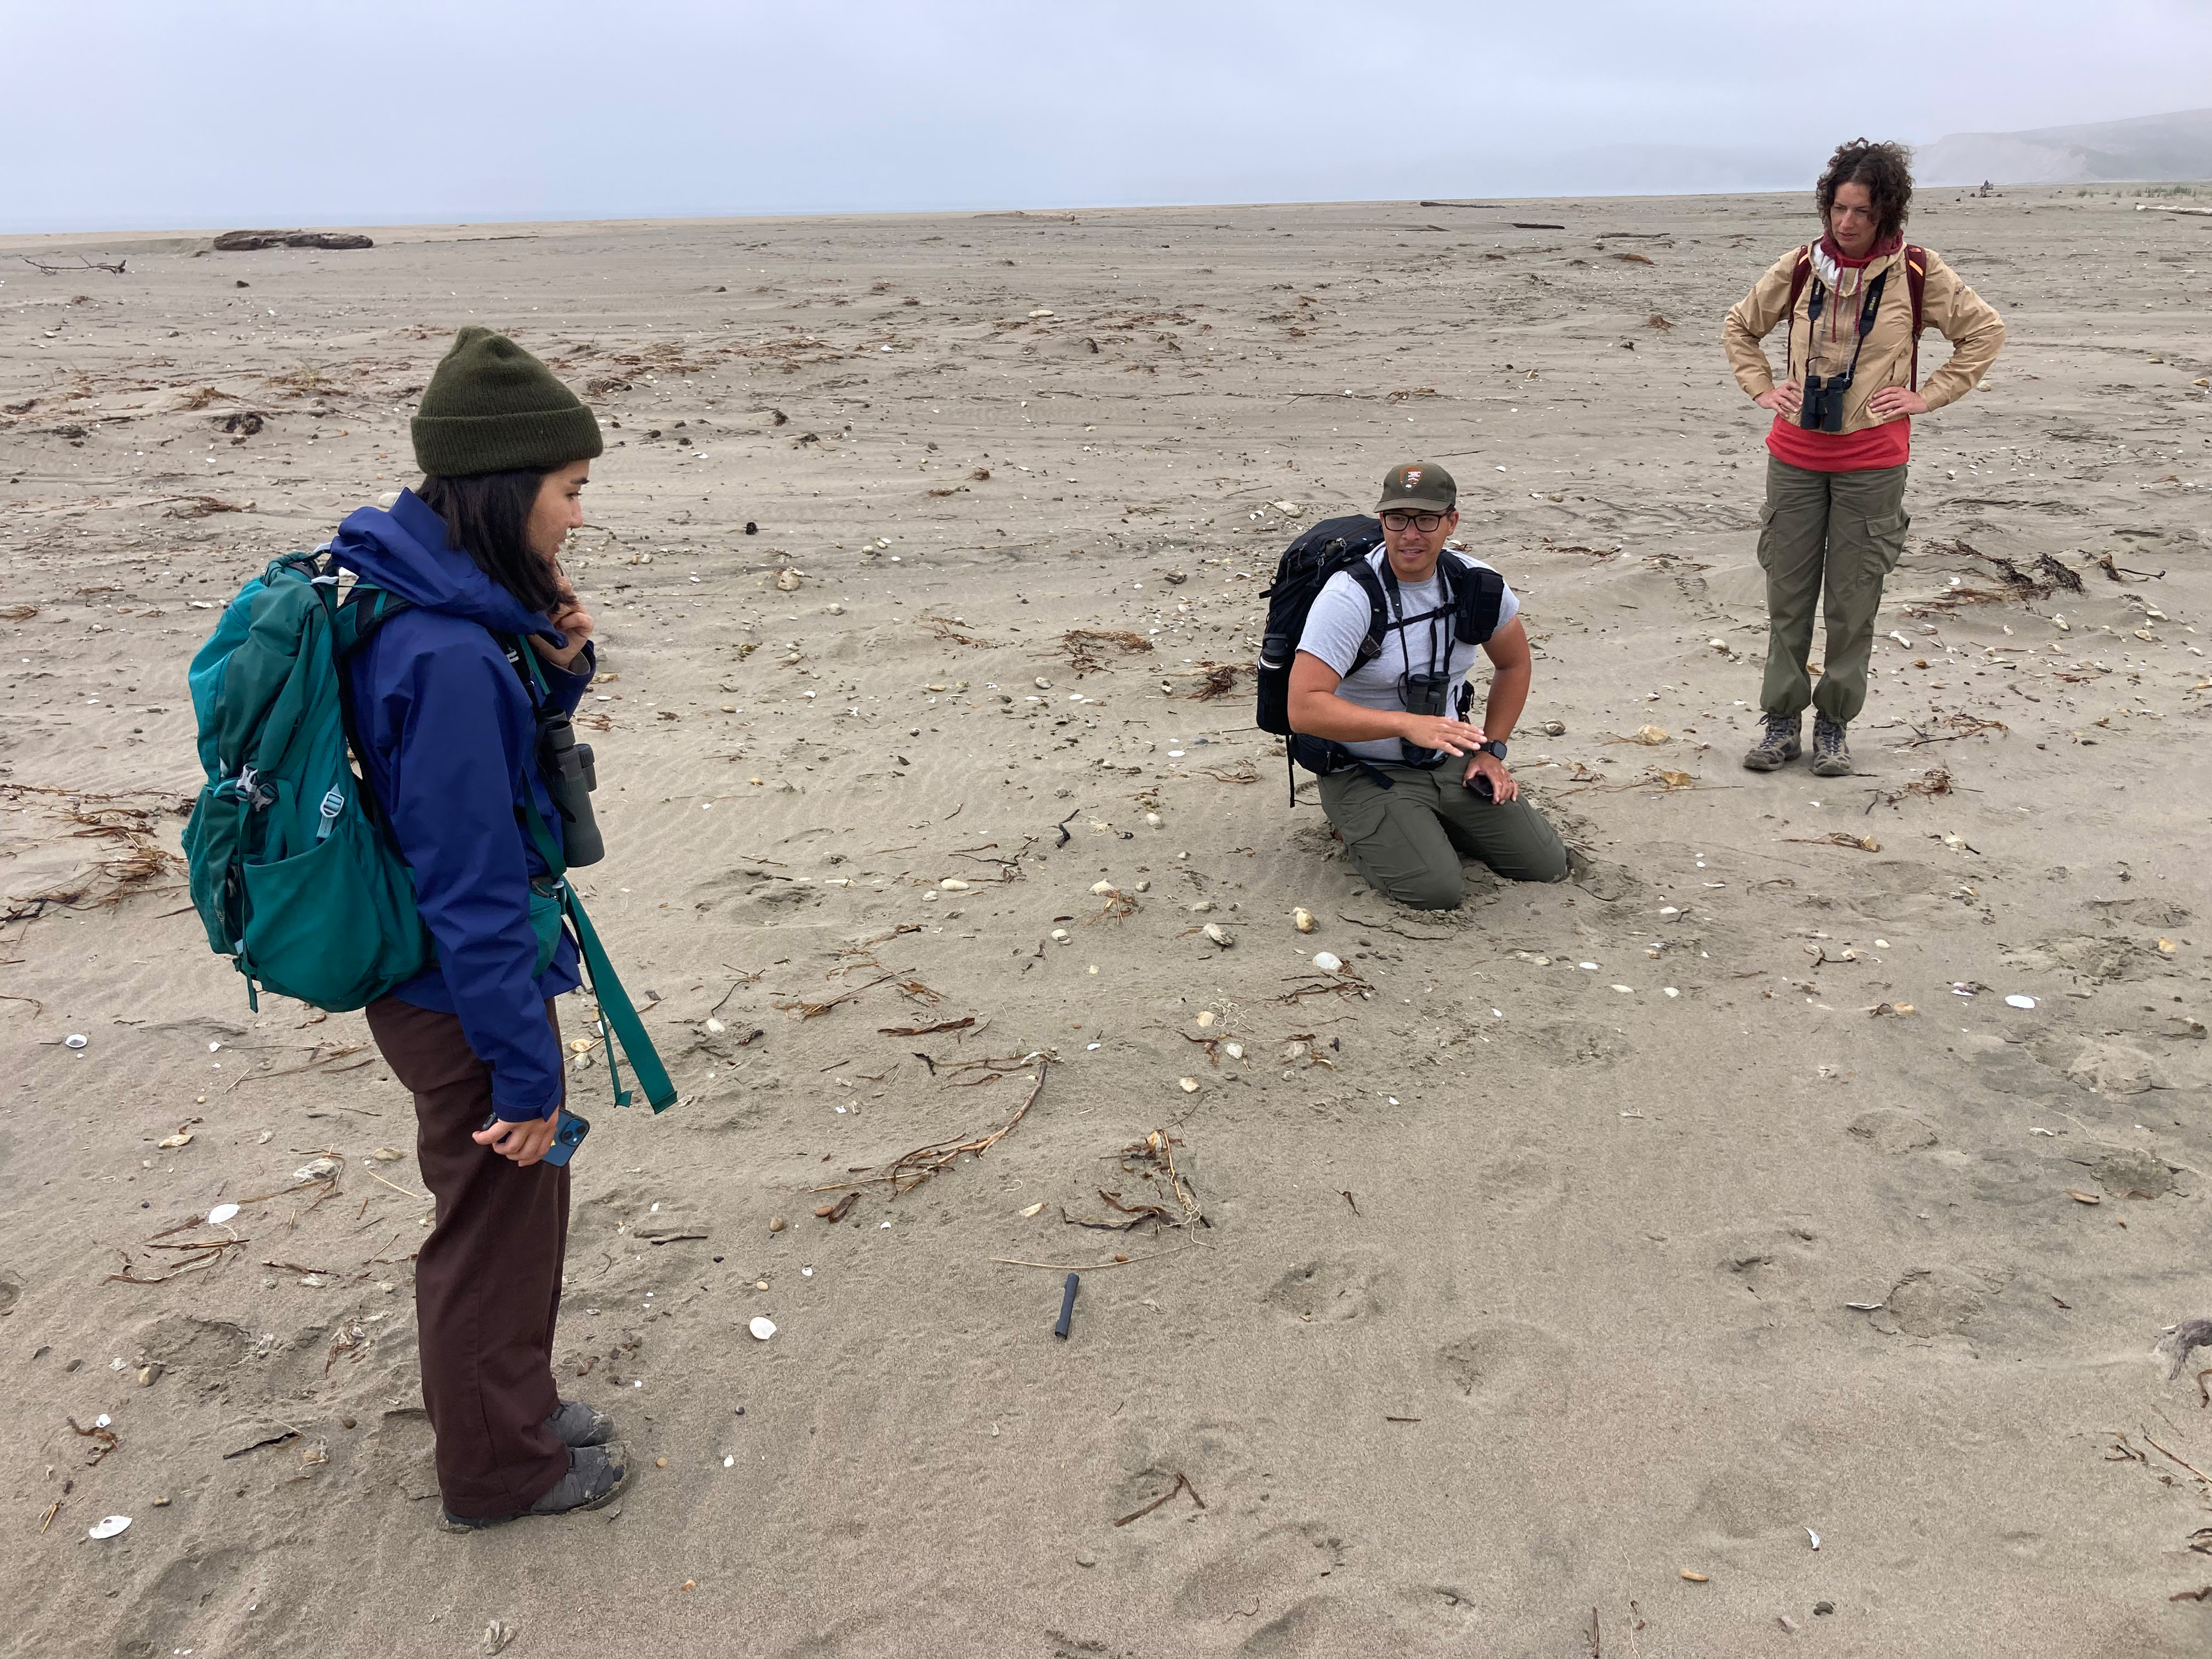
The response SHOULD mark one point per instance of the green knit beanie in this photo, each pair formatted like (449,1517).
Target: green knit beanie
(492,407)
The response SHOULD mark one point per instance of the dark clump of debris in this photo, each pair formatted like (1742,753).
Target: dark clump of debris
(252,242)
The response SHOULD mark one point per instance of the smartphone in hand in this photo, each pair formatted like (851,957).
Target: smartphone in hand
(568,1135)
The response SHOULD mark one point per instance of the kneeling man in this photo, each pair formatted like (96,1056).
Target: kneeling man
(1407,781)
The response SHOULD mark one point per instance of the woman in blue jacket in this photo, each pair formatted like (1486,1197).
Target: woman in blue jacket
(445,720)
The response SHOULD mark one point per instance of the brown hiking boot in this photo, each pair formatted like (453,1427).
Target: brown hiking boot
(1778,747)
(1832,757)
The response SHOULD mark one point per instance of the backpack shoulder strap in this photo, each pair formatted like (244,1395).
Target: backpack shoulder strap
(1801,275)
(1476,594)
(1378,612)
(1916,280)
(366,608)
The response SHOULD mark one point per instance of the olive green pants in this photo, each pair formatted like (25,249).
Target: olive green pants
(1407,839)
(1826,539)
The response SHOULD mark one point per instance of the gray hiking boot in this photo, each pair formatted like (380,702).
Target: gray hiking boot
(579,1425)
(1832,757)
(1777,747)
(595,1478)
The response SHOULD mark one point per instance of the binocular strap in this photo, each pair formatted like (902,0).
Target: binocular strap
(618,1020)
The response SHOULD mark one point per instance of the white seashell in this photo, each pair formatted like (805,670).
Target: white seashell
(786,581)
(316,1171)
(1234,1050)
(761,1328)
(1060,936)
(1302,920)
(109,1528)
(1199,906)
(1328,962)
(1044,685)
(1205,1017)
(1102,889)
(952,884)
(73,1040)
(1188,1084)
(221,1213)
(2019,1002)
(1219,935)
(836,609)
(715,1027)
(182,1138)
(1152,820)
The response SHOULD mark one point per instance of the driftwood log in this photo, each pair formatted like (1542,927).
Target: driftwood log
(252,242)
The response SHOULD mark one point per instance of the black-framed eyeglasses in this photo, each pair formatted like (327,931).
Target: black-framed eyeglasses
(1423,522)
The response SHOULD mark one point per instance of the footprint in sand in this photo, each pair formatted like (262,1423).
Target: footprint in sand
(1507,1365)
(1329,1292)
(1892,1130)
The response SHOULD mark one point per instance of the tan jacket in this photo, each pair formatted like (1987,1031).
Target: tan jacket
(1969,322)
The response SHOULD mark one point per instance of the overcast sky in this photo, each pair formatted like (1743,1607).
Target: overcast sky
(184,113)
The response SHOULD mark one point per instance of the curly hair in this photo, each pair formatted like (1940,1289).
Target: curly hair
(1885,169)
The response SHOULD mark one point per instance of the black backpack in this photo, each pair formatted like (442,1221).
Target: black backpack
(1346,544)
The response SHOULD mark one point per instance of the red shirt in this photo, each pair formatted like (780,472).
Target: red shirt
(1889,444)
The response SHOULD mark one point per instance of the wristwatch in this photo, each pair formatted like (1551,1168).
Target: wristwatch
(1493,747)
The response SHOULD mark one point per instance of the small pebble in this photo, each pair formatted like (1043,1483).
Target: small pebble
(1086,1559)
(1302,920)
(1695,1578)
(775,1224)
(660,1463)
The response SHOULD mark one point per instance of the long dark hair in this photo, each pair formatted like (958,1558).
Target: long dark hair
(488,518)
(1885,169)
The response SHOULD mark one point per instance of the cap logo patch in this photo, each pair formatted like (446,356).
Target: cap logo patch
(1412,477)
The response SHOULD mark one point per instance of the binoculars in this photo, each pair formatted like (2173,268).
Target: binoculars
(1822,410)
(570,779)
(1426,695)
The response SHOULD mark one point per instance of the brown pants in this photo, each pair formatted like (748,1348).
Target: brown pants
(487,1279)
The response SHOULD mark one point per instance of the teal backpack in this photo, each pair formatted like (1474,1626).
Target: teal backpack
(293,867)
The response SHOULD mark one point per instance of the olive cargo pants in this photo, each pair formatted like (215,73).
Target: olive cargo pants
(1830,539)
(1406,839)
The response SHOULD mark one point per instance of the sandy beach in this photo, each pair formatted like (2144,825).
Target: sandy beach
(1704,1256)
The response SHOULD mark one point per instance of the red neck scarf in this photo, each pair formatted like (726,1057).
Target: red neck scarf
(1879,251)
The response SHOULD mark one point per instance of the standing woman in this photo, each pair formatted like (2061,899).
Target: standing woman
(448,736)
(1834,522)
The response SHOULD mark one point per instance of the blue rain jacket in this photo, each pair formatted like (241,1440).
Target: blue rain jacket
(452,744)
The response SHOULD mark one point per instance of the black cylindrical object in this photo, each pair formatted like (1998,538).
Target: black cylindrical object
(1067,1306)
(570,779)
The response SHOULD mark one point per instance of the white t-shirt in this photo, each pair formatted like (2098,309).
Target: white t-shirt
(1337,625)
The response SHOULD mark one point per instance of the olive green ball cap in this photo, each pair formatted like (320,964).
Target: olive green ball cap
(1417,487)
(492,407)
